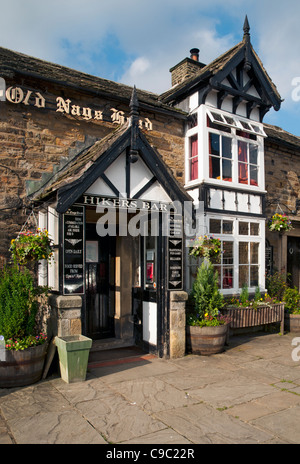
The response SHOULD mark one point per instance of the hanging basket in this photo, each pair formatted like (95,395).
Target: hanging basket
(31,246)
(280,223)
(206,247)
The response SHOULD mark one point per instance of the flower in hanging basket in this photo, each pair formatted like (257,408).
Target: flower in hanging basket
(280,222)
(206,247)
(31,246)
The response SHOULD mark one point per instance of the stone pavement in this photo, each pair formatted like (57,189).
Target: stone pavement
(249,394)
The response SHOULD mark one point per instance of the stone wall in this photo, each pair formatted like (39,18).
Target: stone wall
(282,180)
(35,140)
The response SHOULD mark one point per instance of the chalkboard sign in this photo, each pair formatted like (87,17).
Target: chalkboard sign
(175,252)
(73,250)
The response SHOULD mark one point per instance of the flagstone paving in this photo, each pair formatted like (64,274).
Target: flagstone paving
(248,394)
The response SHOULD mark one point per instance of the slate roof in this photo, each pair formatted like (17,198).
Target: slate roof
(79,165)
(13,63)
(210,70)
(278,135)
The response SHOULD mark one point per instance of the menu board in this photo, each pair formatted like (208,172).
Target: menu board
(175,253)
(73,272)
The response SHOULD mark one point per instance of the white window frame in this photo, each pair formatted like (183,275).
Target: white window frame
(236,238)
(235,123)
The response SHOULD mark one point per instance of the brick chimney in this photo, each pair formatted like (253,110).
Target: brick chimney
(186,68)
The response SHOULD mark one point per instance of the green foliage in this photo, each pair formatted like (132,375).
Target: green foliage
(31,246)
(257,295)
(18,305)
(244,297)
(26,342)
(276,285)
(206,297)
(291,298)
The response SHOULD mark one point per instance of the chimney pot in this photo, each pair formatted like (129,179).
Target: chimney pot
(195,54)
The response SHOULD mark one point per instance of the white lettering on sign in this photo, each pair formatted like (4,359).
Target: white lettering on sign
(18,95)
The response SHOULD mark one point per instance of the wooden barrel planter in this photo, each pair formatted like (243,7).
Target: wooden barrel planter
(206,340)
(22,367)
(292,322)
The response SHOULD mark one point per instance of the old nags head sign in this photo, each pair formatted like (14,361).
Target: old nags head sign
(29,97)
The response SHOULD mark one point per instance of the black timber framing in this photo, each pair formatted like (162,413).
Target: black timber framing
(68,195)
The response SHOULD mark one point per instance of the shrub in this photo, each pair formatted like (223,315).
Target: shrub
(276,285)
(292,300)
(18,305)
(206,297)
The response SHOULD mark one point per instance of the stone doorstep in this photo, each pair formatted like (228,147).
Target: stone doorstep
(111,343)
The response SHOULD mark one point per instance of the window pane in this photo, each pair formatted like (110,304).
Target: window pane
(254,228)
(193,120)
(243,276)
(227,277)
(227,227)
(253,153)
(215,226)
(217,117)
(242,149)
(243,167)
(214,167)
(227,253)
(245,125)
(193,164)
(194,168)
(243,228)
(254,248)
(193,146)
(214,144)
(226,170)
(226,147)
(253,276)
(243,253)
(253,175)
(230,120)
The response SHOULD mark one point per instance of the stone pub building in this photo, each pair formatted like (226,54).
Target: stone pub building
(115,174)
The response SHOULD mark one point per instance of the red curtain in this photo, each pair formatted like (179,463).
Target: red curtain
(243,166)
(194,158)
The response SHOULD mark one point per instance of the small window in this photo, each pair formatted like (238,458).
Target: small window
(215,226)
(193,157)
(254,228)
(193,120)
(243,228)
(220,159)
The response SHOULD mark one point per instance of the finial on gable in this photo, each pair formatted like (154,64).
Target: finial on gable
(246,28)
(134,122)
(246,39)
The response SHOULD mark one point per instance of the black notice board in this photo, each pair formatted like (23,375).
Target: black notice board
(73,273)
(175,253)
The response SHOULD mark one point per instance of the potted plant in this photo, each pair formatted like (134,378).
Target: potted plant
(24,352)
(291,298)
(206,328)
(31,246)
(245,311)
(280,223)
(206,247)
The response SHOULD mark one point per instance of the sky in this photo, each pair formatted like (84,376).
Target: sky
(136,42)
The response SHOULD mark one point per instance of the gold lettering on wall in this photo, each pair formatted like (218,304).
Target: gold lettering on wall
(34,98)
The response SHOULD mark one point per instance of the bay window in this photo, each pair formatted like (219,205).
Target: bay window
(224,148)
(242,257)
